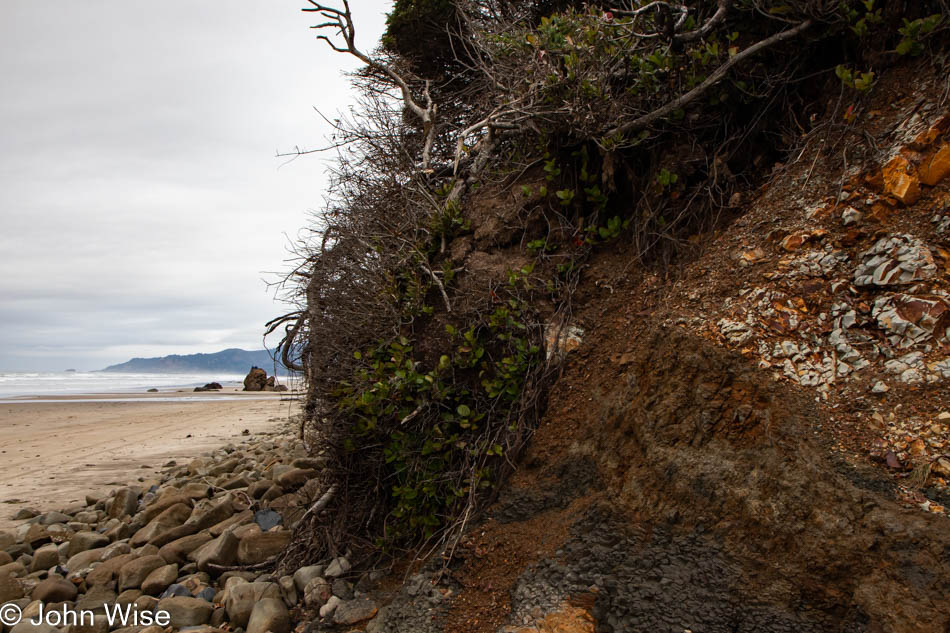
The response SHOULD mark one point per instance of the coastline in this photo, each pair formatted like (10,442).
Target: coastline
(55,450)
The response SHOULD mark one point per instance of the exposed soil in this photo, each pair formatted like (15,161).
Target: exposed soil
(686,480)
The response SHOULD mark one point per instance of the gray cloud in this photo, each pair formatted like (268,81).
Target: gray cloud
(140,199)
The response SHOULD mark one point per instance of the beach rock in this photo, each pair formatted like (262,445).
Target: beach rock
(196,490)
(83,560)
(295,478)
(82,541)
(243,596)
(99,624)
(208,512)
(255,380)
(269,615)
(343,589)
(159,580)
(350,612)
(10,589)
(267,519)
(129,596)
(227,466)
(106,572)
(163,502)
(15,569)
(115,550)
(315,463)
(118,532)
(54,590)
(96,599)
(231,522)
(124,503)
(257,489)
(178,550)
(134,573)
(221,551)
(288,589)
(331,605)
(184,611)
(54,517)
(274,492)
(170,518)
(24,513)
(45,557)
(176,590)
(304,575)
(211,386)
(219,618)
(37,535)
(5,558)
(173,534)
(7,539)
(257,548)
(337,567)
(317,592)
(90,517)
(146,603)
(200,466)
(26,626)
(236,483)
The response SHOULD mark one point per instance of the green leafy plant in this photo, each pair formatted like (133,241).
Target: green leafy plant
(913,32)
(860,81)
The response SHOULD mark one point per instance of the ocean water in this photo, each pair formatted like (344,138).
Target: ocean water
(65,383)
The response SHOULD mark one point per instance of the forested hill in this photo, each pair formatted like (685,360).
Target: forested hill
(231,361)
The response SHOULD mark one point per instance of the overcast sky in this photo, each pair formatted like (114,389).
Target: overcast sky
(141,201)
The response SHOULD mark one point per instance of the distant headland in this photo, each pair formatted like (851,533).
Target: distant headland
(230,361)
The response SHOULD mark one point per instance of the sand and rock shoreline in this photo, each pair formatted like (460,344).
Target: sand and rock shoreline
(187,538)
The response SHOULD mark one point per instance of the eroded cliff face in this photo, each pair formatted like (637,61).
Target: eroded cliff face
(751,442)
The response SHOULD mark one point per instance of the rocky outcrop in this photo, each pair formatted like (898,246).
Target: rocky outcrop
(258,380)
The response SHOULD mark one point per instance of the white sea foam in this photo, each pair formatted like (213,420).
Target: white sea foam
(13,384)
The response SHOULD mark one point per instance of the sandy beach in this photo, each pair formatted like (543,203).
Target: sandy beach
(54,453)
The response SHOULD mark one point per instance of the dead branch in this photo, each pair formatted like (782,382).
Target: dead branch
(319,504)
(342,21)
(647,120)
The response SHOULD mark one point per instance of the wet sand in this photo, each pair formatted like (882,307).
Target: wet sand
(54,453)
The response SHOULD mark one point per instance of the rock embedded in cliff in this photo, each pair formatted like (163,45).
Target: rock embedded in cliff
(935,167)
(901,181)
(353,611)
(895,260)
